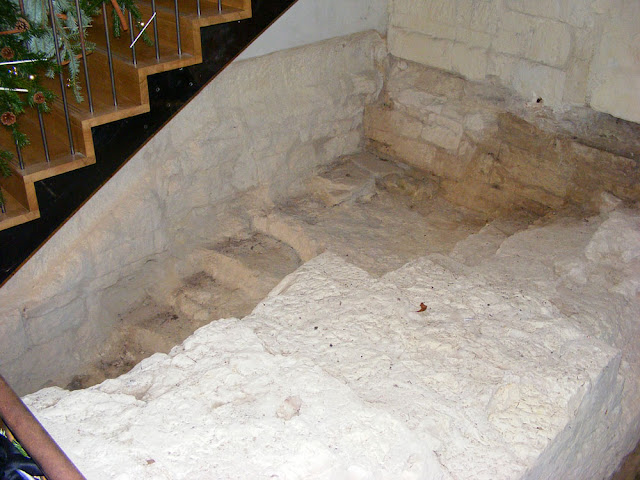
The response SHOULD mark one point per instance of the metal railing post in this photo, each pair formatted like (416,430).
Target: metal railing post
(63,92)
(132,36)
(109,56)
(43,134)
(19,153)
(177,13)
(83,48)
(155,29)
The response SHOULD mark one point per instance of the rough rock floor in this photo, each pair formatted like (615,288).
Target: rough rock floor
(373,213)
(422,329)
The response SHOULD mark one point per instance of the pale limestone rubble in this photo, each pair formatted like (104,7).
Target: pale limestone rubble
(508,374)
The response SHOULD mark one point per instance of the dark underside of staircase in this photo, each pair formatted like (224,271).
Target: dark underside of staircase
(115,142)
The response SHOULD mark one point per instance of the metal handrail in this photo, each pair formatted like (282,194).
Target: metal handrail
(34,438)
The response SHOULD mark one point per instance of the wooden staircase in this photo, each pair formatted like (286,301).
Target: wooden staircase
(132,96)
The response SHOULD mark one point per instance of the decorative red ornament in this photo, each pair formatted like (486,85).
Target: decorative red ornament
(8,118)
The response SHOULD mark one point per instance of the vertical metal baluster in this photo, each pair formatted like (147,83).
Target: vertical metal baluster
(198,7)
(19,152)
(109,57)
(132,35)
(3,208)
(155,29)
(84,56)
(63,91)
(43,133)
(219,6)
(175,3)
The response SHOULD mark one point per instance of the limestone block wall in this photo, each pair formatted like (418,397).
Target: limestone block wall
(493,152)
(566,52)
(262,122)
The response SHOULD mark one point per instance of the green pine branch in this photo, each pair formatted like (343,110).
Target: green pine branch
(32,39)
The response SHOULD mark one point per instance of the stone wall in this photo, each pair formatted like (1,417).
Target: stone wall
(493,152)
(263,122)
(562,51)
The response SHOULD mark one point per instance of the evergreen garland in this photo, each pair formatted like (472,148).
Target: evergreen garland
(67,29)
(19,83)
(28,36)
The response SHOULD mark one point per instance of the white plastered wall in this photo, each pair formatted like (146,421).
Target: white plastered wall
(567,52)
(309,21)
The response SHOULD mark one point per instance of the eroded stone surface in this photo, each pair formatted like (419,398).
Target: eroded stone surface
(478,385)
(493,153)
(509,354)
(385,215)
(230,277)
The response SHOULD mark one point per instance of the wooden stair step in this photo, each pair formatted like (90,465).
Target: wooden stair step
(56,166)
(57,137)
(130,99)
(16,213)
(104,112)
(21,192)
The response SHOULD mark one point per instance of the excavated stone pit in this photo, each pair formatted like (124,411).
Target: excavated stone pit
(386,334)
(472,317)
